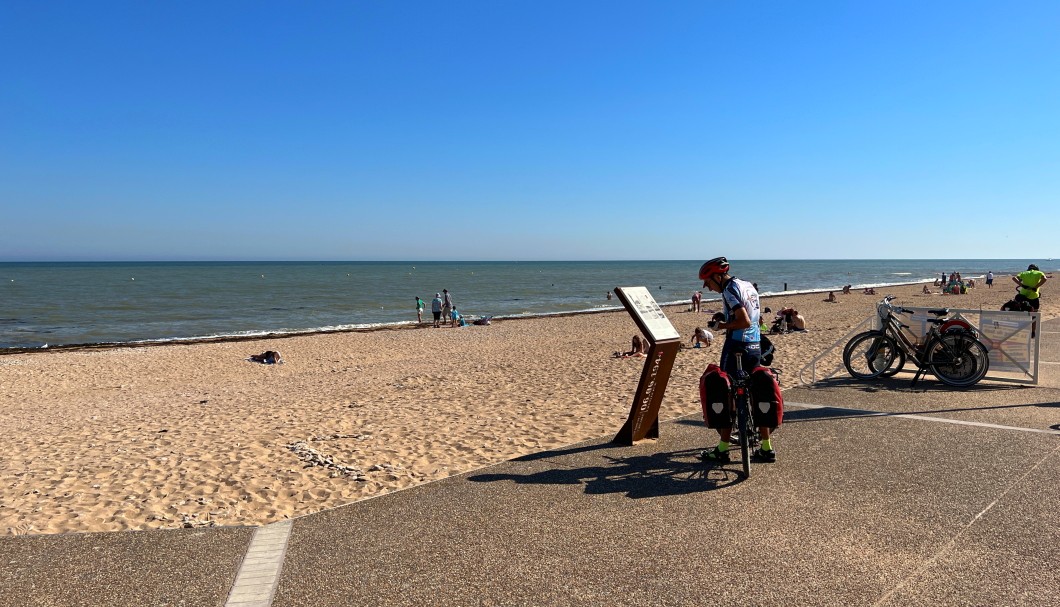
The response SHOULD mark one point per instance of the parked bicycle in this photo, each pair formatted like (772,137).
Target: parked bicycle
(950,350)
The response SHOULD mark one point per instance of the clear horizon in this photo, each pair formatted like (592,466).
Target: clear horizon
(473,261)
(541,131)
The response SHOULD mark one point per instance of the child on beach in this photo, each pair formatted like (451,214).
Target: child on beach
(701,338)
(638,347)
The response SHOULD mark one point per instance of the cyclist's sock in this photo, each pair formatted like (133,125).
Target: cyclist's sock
(723,446)
(767,445)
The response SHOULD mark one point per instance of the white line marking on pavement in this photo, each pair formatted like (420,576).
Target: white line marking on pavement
(256,581)
(926,418)
(953,541)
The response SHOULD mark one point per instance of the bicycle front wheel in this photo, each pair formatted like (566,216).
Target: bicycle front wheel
(743,414)
(896,366)
(959,360)
(870,354)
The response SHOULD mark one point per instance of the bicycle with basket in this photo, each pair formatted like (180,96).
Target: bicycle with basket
(950,350)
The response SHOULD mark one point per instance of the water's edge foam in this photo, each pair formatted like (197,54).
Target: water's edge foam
(369,327)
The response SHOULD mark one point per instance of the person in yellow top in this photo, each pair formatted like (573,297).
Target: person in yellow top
(1030,285)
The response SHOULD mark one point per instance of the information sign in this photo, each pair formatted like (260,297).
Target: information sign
(643,421)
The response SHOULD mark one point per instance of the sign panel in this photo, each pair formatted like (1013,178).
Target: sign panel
(1012,338)
(646,313)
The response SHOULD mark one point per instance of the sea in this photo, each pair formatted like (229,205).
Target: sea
(59,305)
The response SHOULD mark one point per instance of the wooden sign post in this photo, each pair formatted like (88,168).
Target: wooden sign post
(643,422)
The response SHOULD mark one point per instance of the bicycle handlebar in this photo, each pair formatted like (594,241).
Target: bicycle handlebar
(886,303)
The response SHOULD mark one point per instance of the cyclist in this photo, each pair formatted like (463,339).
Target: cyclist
(1030,284)
(742,335)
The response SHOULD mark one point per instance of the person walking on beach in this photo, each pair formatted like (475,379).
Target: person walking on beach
(419,309)
(436,308)
(1029,285)
(741,316)
(447,303)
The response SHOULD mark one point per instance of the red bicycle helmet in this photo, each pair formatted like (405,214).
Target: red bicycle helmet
(718,265)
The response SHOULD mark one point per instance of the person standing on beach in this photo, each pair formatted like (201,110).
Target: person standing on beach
(419,309)
(697,297)
(741,315)
(1029,286)
(990,280)
(447,303)
(436,308)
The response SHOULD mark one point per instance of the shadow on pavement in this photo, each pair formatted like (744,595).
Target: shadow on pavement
(825,413)
(902,384)
(641,476)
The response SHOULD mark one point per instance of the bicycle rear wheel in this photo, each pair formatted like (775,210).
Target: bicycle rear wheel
(870,354)
(959,360)
(743,414)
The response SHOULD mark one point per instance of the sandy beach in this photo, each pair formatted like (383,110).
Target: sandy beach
(195,435)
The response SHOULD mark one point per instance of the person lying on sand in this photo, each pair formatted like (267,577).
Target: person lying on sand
(268,357)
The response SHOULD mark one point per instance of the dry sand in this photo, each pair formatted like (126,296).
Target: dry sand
(191,435)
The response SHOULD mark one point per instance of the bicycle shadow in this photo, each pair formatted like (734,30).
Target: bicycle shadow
(638,477)
(901,383)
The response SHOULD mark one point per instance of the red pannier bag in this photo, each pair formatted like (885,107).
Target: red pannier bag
(766,402)
(715,394)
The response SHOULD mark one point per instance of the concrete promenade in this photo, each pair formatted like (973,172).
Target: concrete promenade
(881,495)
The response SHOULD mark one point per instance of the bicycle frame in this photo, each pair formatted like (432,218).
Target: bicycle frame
(748,434)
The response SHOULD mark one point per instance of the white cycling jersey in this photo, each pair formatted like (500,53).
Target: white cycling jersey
(742,294)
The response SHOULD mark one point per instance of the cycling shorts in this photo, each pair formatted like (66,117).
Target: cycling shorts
(752,355)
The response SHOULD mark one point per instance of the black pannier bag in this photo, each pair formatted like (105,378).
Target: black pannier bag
(768,349)
(767,403)
(715,394)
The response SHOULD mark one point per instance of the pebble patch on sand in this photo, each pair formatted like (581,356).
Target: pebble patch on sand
(314,458)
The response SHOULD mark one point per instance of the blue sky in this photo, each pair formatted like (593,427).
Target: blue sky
(376,130)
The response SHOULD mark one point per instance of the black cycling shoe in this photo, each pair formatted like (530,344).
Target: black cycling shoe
(765,456)
(714,455)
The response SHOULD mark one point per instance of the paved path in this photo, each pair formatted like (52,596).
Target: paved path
(933,497)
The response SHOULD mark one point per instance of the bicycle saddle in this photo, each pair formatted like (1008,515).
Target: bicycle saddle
(942,312)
